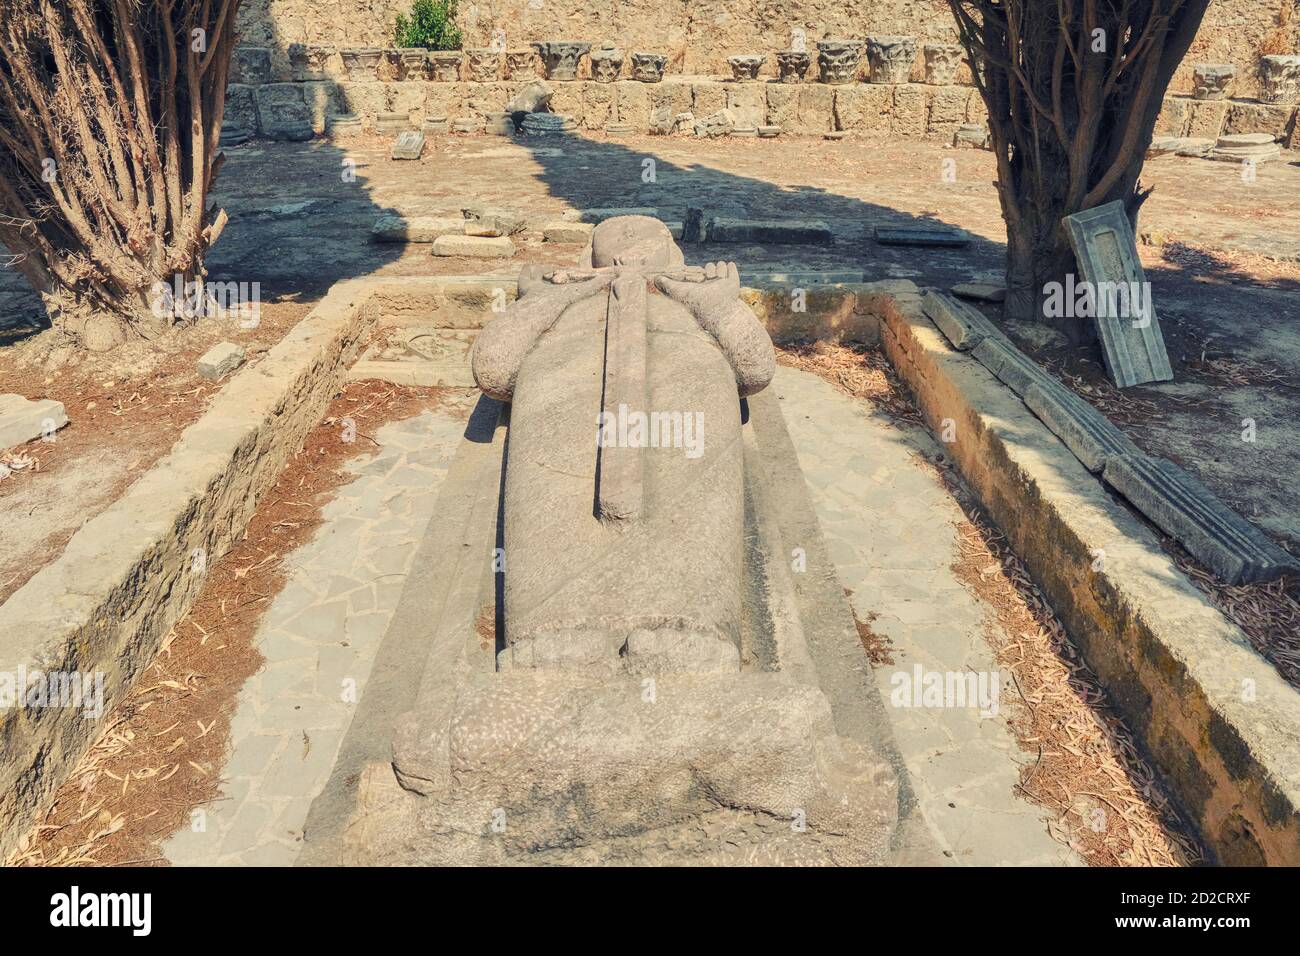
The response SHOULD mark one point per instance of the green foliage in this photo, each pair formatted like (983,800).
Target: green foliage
(432,25)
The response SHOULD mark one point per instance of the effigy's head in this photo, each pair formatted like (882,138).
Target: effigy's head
(634,241)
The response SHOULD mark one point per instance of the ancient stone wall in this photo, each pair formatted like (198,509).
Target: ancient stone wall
(700,34)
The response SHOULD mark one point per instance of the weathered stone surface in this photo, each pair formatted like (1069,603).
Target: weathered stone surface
(1279,79)
(598,104)
(971,136)
(220,360)
(792,65)
(484,220)
(716,124)
(838,60)
(415,228)
(708,97)
(1274,119)
(241,107)
(567,232)
(283,112)
(963,326)
(633,102)
(910,113)
(1013,367)
(745,66)
(816,109)
(251,65)
(929,235)
(1133,345)
(982,291)
(1084,430)
(1242,147)
(474,247)
(584,620)
(648,67)
(1211,80)
(408,145)
(1206,118)
(812,232)
(941,62)
(748,103)
(1234,549)
(890,58)
(948,106)
(548,124)
(22,420)
(864,110)
(560,58)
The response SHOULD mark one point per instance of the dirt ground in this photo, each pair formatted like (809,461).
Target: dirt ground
(1223,256)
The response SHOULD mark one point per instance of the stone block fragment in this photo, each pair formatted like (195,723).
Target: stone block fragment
(22,419)
(962,325)
(1088,433)
(409,144)
(567,232)
(415,229)
(220,360)
(1234,549)
(1013,367)
(930,235)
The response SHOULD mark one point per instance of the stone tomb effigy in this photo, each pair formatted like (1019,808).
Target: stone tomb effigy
(651,695)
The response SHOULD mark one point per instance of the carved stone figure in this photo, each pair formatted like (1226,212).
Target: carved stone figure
(606,63)
(891,58)
(839,60)
(521,64)
(745,67)
(1210,81)
(560,58)
(792,65)
(648,67)
(445,65)
(362,63)
(413,63)
(1279,79)
(484,64)
(941,63)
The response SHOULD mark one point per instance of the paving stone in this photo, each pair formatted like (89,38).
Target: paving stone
(22,419)
(1234,549)
(474,247)
(1089,434)
(322,622)
(220,360)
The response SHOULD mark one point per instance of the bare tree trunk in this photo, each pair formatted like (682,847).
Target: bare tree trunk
(110,112)
(1073,90)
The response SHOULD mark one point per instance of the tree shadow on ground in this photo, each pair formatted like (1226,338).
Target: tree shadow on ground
(593,173)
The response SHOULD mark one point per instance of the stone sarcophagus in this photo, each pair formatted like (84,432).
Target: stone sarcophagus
(629,704)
